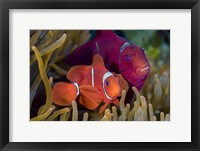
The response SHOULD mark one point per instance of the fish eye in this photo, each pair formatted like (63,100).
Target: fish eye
(127,58)
(107,83)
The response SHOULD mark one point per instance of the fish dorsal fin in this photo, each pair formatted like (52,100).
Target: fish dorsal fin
(78,73)
(98,61)
(105,33)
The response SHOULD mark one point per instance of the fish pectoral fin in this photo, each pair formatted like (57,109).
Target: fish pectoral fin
(98,61)
(88,103)
(116,102)
(123,83)
(90,89)
(103,107)
(90,97)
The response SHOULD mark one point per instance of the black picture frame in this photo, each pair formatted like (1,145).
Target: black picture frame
(5,5)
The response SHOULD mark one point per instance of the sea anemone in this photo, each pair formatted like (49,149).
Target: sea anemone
(49,48)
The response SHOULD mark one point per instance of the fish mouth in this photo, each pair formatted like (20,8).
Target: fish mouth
(143,69)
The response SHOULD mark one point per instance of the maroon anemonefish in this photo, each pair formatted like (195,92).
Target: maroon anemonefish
(93,84)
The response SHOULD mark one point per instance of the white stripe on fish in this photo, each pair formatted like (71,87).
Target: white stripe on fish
(105,76)
(92,77)
(77,87)
(97,46)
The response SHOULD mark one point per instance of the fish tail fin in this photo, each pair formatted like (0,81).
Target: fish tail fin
(64,93)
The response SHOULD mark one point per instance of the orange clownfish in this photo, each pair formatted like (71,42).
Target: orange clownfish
(93,84)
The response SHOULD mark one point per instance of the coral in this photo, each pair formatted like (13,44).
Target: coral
(156,44)
(44,79)
(49,48)
(53,47)
(140,111)
(157,90)
(43,117)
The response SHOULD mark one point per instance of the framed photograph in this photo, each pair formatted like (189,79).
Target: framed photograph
(99,75)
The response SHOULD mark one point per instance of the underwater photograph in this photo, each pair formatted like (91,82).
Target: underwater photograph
(100,75)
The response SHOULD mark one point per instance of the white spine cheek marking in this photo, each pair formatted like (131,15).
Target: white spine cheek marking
(77,87)
(105,76)
(92,77)
(97,47)
(123,47)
